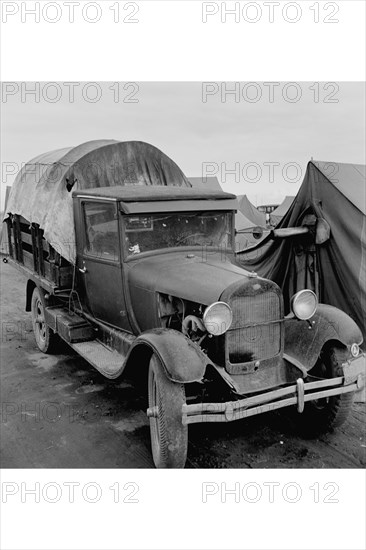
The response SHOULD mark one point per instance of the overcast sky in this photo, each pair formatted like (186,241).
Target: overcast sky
(263,139)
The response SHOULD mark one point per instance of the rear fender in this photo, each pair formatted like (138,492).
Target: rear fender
(31,285)
(181,358)
(304,340)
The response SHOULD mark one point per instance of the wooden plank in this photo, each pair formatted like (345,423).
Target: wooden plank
(26,238)
(27,254)
(29,272)
(14,233)
(10,242)
(50,272)
(34,247)
(63,276)
(51,252)
(39,234)
(46,246)
(28,259)
(25,228)
(17,239)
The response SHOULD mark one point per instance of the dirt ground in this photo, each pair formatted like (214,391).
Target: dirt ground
(58,412)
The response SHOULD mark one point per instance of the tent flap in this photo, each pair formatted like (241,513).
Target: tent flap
(336,269)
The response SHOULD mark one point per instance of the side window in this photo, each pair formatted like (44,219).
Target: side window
(101,230)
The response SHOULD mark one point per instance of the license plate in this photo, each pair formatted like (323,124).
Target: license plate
(355,371)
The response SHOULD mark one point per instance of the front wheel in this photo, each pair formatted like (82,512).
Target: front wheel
(322,415)
(46,339)
(169,437)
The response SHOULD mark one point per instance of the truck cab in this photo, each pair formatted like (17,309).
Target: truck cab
(141,242)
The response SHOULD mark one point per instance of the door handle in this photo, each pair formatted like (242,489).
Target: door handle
(82,270)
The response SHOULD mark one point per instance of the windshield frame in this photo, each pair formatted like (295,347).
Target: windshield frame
(128,257)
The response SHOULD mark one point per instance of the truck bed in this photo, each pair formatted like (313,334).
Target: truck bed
(31,253)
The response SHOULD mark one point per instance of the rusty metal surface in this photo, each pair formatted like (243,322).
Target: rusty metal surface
(71,327)
(268,374)
(244,408)
(183,360)
(254,342)
(108,362)
(304,340)
(202,277)
(355,370)
(255,333)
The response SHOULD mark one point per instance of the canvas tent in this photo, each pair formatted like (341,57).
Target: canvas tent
(244,240)
(336,269)
(42,191)
(276,216)
(250,211)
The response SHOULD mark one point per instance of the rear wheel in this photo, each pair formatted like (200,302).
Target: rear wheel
(169,437)
(322,415)
(46,339)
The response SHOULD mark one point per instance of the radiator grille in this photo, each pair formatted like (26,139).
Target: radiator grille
(254,334)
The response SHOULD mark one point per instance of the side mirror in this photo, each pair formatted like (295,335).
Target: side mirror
(257,232)
(318,226)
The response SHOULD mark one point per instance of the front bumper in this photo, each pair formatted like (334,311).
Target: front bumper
(354,371)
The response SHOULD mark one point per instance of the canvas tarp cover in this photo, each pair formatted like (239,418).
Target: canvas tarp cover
(42,190)
(276,216)
(250,211)
(206,182)
(337,268)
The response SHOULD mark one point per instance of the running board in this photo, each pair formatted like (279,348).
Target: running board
(108,362)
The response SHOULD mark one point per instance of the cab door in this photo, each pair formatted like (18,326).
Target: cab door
(100,264)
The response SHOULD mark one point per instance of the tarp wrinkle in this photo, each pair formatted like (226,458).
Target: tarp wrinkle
(39,192)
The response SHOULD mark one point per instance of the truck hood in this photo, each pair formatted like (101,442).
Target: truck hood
(198,279)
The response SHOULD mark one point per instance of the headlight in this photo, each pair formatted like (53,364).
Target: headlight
(217,318)
(304,304)
(355,350)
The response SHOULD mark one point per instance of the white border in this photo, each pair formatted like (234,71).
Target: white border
(170,42)
(171,513)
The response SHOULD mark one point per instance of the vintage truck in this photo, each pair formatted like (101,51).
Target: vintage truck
(155,287)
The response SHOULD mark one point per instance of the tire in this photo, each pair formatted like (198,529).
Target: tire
(46,339)
(169,437)
(323,415)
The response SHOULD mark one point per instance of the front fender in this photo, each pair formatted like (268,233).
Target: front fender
(182,359)
(305,339)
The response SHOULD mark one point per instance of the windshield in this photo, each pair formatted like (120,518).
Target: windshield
(202,229)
